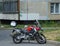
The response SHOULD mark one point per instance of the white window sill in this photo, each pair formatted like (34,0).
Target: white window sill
(55,13)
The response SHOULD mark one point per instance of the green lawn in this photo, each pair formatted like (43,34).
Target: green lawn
(52,34)
(8,26)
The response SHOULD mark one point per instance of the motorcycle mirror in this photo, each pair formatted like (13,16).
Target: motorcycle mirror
(13,23)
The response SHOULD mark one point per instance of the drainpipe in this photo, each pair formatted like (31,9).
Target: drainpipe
(27,9)
(18,6)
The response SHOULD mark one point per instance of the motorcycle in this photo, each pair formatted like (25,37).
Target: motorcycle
(28,33)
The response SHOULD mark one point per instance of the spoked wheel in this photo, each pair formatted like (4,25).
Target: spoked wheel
(17,39)
(41,39)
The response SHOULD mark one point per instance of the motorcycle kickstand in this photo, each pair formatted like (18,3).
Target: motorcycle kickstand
(28,40)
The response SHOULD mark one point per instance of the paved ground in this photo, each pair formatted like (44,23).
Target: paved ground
(6,40)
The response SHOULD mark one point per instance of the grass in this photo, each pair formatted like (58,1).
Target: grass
(8,26)
(49,23)
(52,35)
(5,26)
(58,39)
(20,26)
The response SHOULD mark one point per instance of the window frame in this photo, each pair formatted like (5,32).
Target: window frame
(10,12)
(54,12)
(2,7)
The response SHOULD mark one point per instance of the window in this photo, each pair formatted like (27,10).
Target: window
(1,7)
(10,7)
(55,8)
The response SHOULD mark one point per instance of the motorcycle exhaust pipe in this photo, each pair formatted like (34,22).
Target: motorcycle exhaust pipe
(12,34)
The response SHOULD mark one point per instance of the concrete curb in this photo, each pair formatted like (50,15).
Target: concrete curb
(51,28)
(44,28)
(6,28)
(53,42)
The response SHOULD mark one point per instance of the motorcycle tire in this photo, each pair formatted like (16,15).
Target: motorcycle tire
(40,38)
(17,41)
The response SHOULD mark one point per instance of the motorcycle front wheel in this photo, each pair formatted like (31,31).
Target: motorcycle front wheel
(40,38)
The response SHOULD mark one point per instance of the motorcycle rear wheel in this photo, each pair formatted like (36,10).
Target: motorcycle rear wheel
(15,38)
(17,41)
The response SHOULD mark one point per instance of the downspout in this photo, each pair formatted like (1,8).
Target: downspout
(27,10)
(18,6)
(47,10)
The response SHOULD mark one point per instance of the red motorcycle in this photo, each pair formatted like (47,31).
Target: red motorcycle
(28,33)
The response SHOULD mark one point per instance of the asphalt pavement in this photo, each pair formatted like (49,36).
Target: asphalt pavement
(6,40)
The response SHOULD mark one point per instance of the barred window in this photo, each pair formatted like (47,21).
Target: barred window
(55,8)
(1,7)
(10,7)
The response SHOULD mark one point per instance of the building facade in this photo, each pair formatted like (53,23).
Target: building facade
(30,9)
